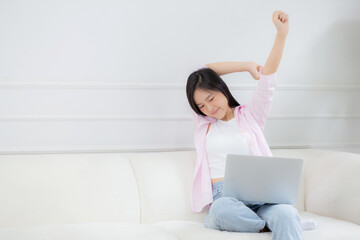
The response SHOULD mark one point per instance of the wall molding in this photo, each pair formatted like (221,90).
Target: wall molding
(164,148)
(164,85)
(154,117)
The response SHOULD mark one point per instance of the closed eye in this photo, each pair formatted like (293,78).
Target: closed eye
(210,101)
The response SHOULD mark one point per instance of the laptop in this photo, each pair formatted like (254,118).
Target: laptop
(262,179)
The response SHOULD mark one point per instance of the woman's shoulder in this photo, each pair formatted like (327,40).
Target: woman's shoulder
(199,119)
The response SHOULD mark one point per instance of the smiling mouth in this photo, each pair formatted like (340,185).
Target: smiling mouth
(215,111)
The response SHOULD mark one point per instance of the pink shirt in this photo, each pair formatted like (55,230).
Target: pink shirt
(251,118)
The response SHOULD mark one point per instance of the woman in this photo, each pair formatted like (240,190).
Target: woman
(227,128)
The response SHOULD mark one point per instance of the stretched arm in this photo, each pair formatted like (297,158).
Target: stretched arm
(261,101)
(222,68)
(271,65)
(273,61)
(281,21)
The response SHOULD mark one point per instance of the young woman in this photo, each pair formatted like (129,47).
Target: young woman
(223,127)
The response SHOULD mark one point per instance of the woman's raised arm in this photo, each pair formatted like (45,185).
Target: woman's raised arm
(281,21)
(222,68)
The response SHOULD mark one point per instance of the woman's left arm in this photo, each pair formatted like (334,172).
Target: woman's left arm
(281,21)
(222,68)
(260,104)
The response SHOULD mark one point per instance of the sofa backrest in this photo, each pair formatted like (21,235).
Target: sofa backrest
(333,184)
(165,181)
(67,188)
(151,187)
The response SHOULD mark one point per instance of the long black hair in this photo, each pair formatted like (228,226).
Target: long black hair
(207,79)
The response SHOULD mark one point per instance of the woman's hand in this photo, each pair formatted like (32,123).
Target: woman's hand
(281,21)
(254,69)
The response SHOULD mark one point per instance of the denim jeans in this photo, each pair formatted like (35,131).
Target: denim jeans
(233,215)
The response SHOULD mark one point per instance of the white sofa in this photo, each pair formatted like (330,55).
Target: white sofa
(147,196)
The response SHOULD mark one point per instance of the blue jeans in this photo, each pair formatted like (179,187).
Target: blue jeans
(233,215)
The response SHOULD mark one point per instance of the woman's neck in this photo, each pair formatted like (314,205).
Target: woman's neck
(229,115)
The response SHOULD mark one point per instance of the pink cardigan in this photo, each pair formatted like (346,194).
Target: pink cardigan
(251,118)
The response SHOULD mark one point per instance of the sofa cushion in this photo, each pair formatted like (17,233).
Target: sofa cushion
(333,184)
(327,228)
(86,231)
(67,188)
(165,181)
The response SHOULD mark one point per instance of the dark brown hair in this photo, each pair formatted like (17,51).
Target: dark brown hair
(207,79)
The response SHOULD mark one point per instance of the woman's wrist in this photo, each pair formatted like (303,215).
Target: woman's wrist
(281,35)
(248,65)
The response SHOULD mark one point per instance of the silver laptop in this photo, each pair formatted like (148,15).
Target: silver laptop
(262,179)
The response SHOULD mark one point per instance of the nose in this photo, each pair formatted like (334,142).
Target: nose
(210,108)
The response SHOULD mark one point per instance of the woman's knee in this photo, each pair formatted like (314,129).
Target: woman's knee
(224,205)
(285,211)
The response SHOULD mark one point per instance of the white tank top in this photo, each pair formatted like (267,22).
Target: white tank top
(224,138)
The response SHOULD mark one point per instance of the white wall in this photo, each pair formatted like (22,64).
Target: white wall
(92,76)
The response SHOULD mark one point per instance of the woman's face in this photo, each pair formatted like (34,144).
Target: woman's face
(211,103)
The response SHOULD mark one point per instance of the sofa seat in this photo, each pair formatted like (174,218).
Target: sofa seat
(86,231)
(327,228)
